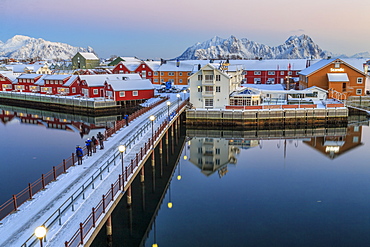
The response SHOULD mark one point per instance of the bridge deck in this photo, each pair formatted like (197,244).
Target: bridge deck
(17,229)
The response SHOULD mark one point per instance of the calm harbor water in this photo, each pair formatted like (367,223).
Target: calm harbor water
(305,187)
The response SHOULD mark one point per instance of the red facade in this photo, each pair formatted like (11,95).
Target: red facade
(269,77)
(5,83)
(134,95)
(145,71)
(120,69)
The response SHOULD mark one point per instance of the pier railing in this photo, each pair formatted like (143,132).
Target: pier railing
(56,99)
(99,210)
(26,194)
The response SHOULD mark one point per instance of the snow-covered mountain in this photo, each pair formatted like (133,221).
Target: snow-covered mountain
(23,47)
(294,47)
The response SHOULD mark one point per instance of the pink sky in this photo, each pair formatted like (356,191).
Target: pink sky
(163,28)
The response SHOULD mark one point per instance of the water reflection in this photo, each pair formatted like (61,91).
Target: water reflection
(214,150)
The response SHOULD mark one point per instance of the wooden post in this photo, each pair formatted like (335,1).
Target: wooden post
(15,203)
(54,173)
(73,159)
(108,224)
(29,191)
(64,166)
(81,233)
(43,181)
(93,217)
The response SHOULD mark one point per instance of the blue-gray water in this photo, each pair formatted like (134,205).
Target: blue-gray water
(278,192)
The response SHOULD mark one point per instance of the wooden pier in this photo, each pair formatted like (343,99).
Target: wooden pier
(267,117)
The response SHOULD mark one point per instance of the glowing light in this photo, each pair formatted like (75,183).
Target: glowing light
(169,205)
(40,232)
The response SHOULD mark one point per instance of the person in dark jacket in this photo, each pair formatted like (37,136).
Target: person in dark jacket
(94,143)
(88,147)
(100,137)
(79,154)
(126,118)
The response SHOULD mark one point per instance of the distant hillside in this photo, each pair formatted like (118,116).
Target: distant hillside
(295,47)
(23,47)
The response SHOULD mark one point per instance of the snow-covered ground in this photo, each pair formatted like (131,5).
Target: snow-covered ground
(18,228)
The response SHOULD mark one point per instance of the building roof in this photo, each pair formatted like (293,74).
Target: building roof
(338,77)
(56,77)
(129,85)
(89,55)
(316,66)
(28,76)
(99,80)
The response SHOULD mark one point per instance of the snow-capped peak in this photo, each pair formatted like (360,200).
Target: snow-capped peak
(24,47)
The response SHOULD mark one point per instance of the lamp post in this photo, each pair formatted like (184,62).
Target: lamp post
(178,101)
(40,233)
(152,118)
(168,110)
(122,149)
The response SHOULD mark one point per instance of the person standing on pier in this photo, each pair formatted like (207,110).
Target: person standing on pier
(88,147)
(100,137)
(79,154)
(126,118)
(94,143)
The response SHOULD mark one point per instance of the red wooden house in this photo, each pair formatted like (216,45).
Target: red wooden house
(29,83)
(121,68)
(129,89)
(61,85)
(6,81)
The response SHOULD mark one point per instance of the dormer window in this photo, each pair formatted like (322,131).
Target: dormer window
(336,65)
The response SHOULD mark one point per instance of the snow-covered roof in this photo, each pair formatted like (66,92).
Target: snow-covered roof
(70,80)
(129,85)
(153,65)
(172,66)
(99,80)
(57,77)
(130,59)
(265,86)
(338,77)
(89,55)
(9,74)
(28,76)
(320,64)
(41,82)
(131,66)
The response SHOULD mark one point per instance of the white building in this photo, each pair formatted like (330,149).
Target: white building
(211,86)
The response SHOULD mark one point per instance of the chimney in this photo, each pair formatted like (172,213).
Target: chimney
(177,63)
(199,66)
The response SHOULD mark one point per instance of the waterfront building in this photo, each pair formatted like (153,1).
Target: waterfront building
(212,84)
(85,60)
(61,85)
(176,72)
(340,78)
(6,80)
(28,83)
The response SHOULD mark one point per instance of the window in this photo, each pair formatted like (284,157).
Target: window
(209,77)
(344,87)
(271,72)
(218,77)
(143,66)
(337,65)
(162,74)
(171,73)
(73,90)
(257,80)
(257,72)
(200,77)
(281,72)
(122,94)
(199,89)
(270,81)
(358,91)
(162,80)
(218,162)
(96,91)
(155,73)
(200,150)
(149,73)
(155,80)
(180,81)
(208,89)
(218,151)
(180,74)
(135,93)
(289,72)
(355,139)
(218,89)
(359,80)
(208,102)
(189,73)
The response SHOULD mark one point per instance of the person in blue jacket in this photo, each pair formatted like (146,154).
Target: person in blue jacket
(88,147)
(79,154)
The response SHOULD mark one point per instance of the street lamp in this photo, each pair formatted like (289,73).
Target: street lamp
(40,233)
(152,118)
(178,101)
(168,109)
(122,149)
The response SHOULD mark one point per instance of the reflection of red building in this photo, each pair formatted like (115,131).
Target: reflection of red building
(333,146)
(6,116)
